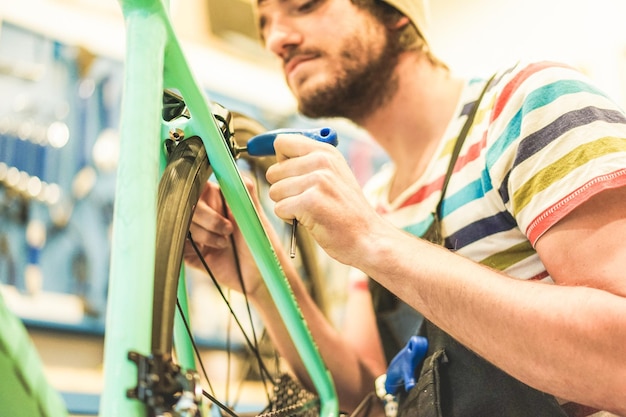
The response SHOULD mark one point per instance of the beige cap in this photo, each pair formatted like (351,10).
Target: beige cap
(417,11)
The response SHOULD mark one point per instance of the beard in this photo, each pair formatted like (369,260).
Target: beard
(365,83)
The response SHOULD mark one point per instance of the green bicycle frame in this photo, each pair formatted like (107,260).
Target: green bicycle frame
(154,61)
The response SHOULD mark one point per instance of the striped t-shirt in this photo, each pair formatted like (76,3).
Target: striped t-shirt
(543,141)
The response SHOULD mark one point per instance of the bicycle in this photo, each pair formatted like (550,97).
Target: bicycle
(154,202)
(152,44)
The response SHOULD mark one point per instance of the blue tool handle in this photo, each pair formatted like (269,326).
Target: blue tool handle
(401,370)
(263,144)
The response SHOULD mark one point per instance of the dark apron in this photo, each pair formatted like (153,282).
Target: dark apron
(453,381)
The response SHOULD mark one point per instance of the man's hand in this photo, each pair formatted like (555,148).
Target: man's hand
(313,183)
(213,229)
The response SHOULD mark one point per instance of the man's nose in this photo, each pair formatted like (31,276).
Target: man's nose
(280,39)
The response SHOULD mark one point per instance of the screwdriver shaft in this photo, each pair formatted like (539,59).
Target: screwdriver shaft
(292,248)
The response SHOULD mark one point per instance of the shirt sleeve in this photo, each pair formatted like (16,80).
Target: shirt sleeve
(557,141)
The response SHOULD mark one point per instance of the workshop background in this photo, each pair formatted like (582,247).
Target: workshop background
(61,64)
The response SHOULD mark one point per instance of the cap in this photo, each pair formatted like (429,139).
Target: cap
(416,11)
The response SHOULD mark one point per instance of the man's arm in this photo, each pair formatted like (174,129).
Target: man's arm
(587,247)
(359,327)
(567,339)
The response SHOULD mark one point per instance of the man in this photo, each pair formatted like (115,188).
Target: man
(530,281)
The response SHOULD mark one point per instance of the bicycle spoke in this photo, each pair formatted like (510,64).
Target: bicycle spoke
(252,346)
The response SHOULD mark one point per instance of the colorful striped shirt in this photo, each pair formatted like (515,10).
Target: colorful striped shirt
(544,140)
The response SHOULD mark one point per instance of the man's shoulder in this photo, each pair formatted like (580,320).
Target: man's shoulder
(525,76)
(529,67)
(532,84)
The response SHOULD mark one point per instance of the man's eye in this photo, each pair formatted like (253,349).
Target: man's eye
(307,6)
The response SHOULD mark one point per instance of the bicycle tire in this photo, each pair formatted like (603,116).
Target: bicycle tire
(180,187)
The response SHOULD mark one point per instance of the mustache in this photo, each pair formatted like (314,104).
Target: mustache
(298,52)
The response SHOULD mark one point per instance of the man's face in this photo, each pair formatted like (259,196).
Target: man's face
(336,56)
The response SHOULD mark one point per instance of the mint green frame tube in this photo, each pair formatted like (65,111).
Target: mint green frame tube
(151,46)
(129,308)
(24,388)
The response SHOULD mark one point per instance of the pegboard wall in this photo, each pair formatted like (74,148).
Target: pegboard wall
(58,141)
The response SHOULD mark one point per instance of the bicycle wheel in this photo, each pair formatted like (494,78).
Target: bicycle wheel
(182,182)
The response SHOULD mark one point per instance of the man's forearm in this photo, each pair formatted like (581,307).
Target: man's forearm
(548,336)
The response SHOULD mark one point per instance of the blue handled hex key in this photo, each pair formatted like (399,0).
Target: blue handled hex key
(263,145)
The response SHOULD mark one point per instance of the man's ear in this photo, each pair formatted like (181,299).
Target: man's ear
(401,23)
